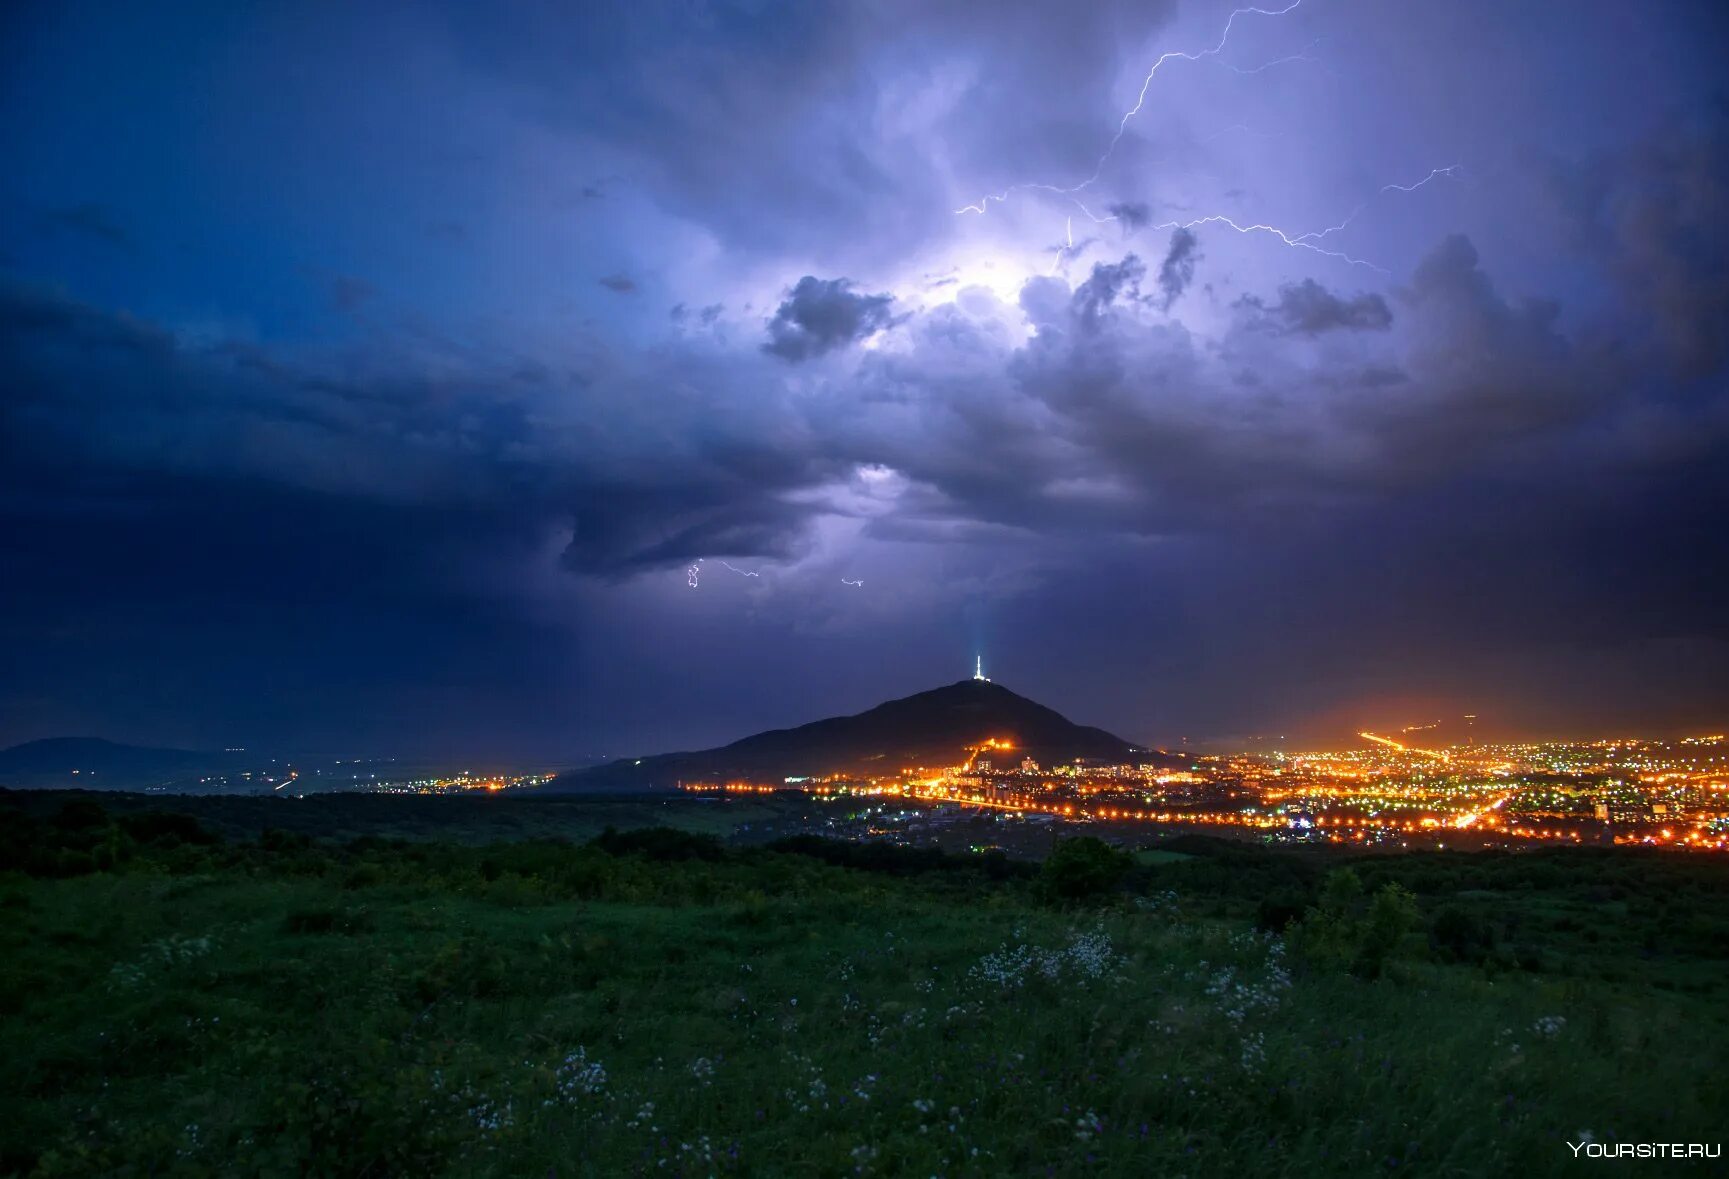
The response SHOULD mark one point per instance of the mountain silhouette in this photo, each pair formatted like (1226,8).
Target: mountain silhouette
(100,765)
(930,729)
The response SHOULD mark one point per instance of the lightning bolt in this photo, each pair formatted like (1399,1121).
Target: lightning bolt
(1451,172)
(1302,241)
(693,571)
(1303,55)
(1307,241)
(1140,102)
(1068,246)
(693,574)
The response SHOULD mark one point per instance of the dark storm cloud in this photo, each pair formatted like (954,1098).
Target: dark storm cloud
(820,315)
(1654,213)
(1177,271)
(1131,215)
(109,393)
(617,537)
(707,316)
(1307,308)
(1488,371)
(1111,423)
(214,524)
(755,115)
(1112,419)
(1332,488)
(1104,286)
(112,390)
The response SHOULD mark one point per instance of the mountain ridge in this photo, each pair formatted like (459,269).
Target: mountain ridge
(930,728)
(96,762)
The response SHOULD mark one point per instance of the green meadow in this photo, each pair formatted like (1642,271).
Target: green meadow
(178,997)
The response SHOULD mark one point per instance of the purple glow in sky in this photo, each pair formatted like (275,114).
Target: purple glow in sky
(559,380)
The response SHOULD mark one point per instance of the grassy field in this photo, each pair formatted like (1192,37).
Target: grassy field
(654,1003)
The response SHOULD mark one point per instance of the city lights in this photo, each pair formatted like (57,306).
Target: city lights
(1672,794)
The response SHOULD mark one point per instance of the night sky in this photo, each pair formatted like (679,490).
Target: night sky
(380,378)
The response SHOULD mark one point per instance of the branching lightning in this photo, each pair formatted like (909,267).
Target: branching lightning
(1302,56)
(1451,172)
(1140,101)
(1303,241)
(693,571)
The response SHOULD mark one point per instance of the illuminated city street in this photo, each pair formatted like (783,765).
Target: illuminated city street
(1615,791)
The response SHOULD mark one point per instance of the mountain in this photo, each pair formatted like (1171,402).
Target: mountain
(95,764)
(928,729)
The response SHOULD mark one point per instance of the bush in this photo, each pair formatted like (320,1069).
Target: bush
(364,876)
(348,921)
(273,839)
(895,860)
(1350,930)
(1459,935)
(80,815)
(1083,868)
(660,843)
(1280,910)
(1392,917)
(166,828)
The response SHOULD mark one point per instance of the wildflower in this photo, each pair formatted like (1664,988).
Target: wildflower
(1254,1052)
(1088,956)
(577,1076)
(488,1116)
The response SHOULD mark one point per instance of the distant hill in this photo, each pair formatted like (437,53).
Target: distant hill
(95,764)
(929,729)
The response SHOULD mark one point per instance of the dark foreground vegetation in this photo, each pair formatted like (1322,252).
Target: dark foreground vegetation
(177,1000)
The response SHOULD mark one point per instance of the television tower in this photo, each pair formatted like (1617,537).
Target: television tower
(979,669)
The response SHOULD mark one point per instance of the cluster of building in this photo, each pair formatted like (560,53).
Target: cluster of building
(1386,793)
